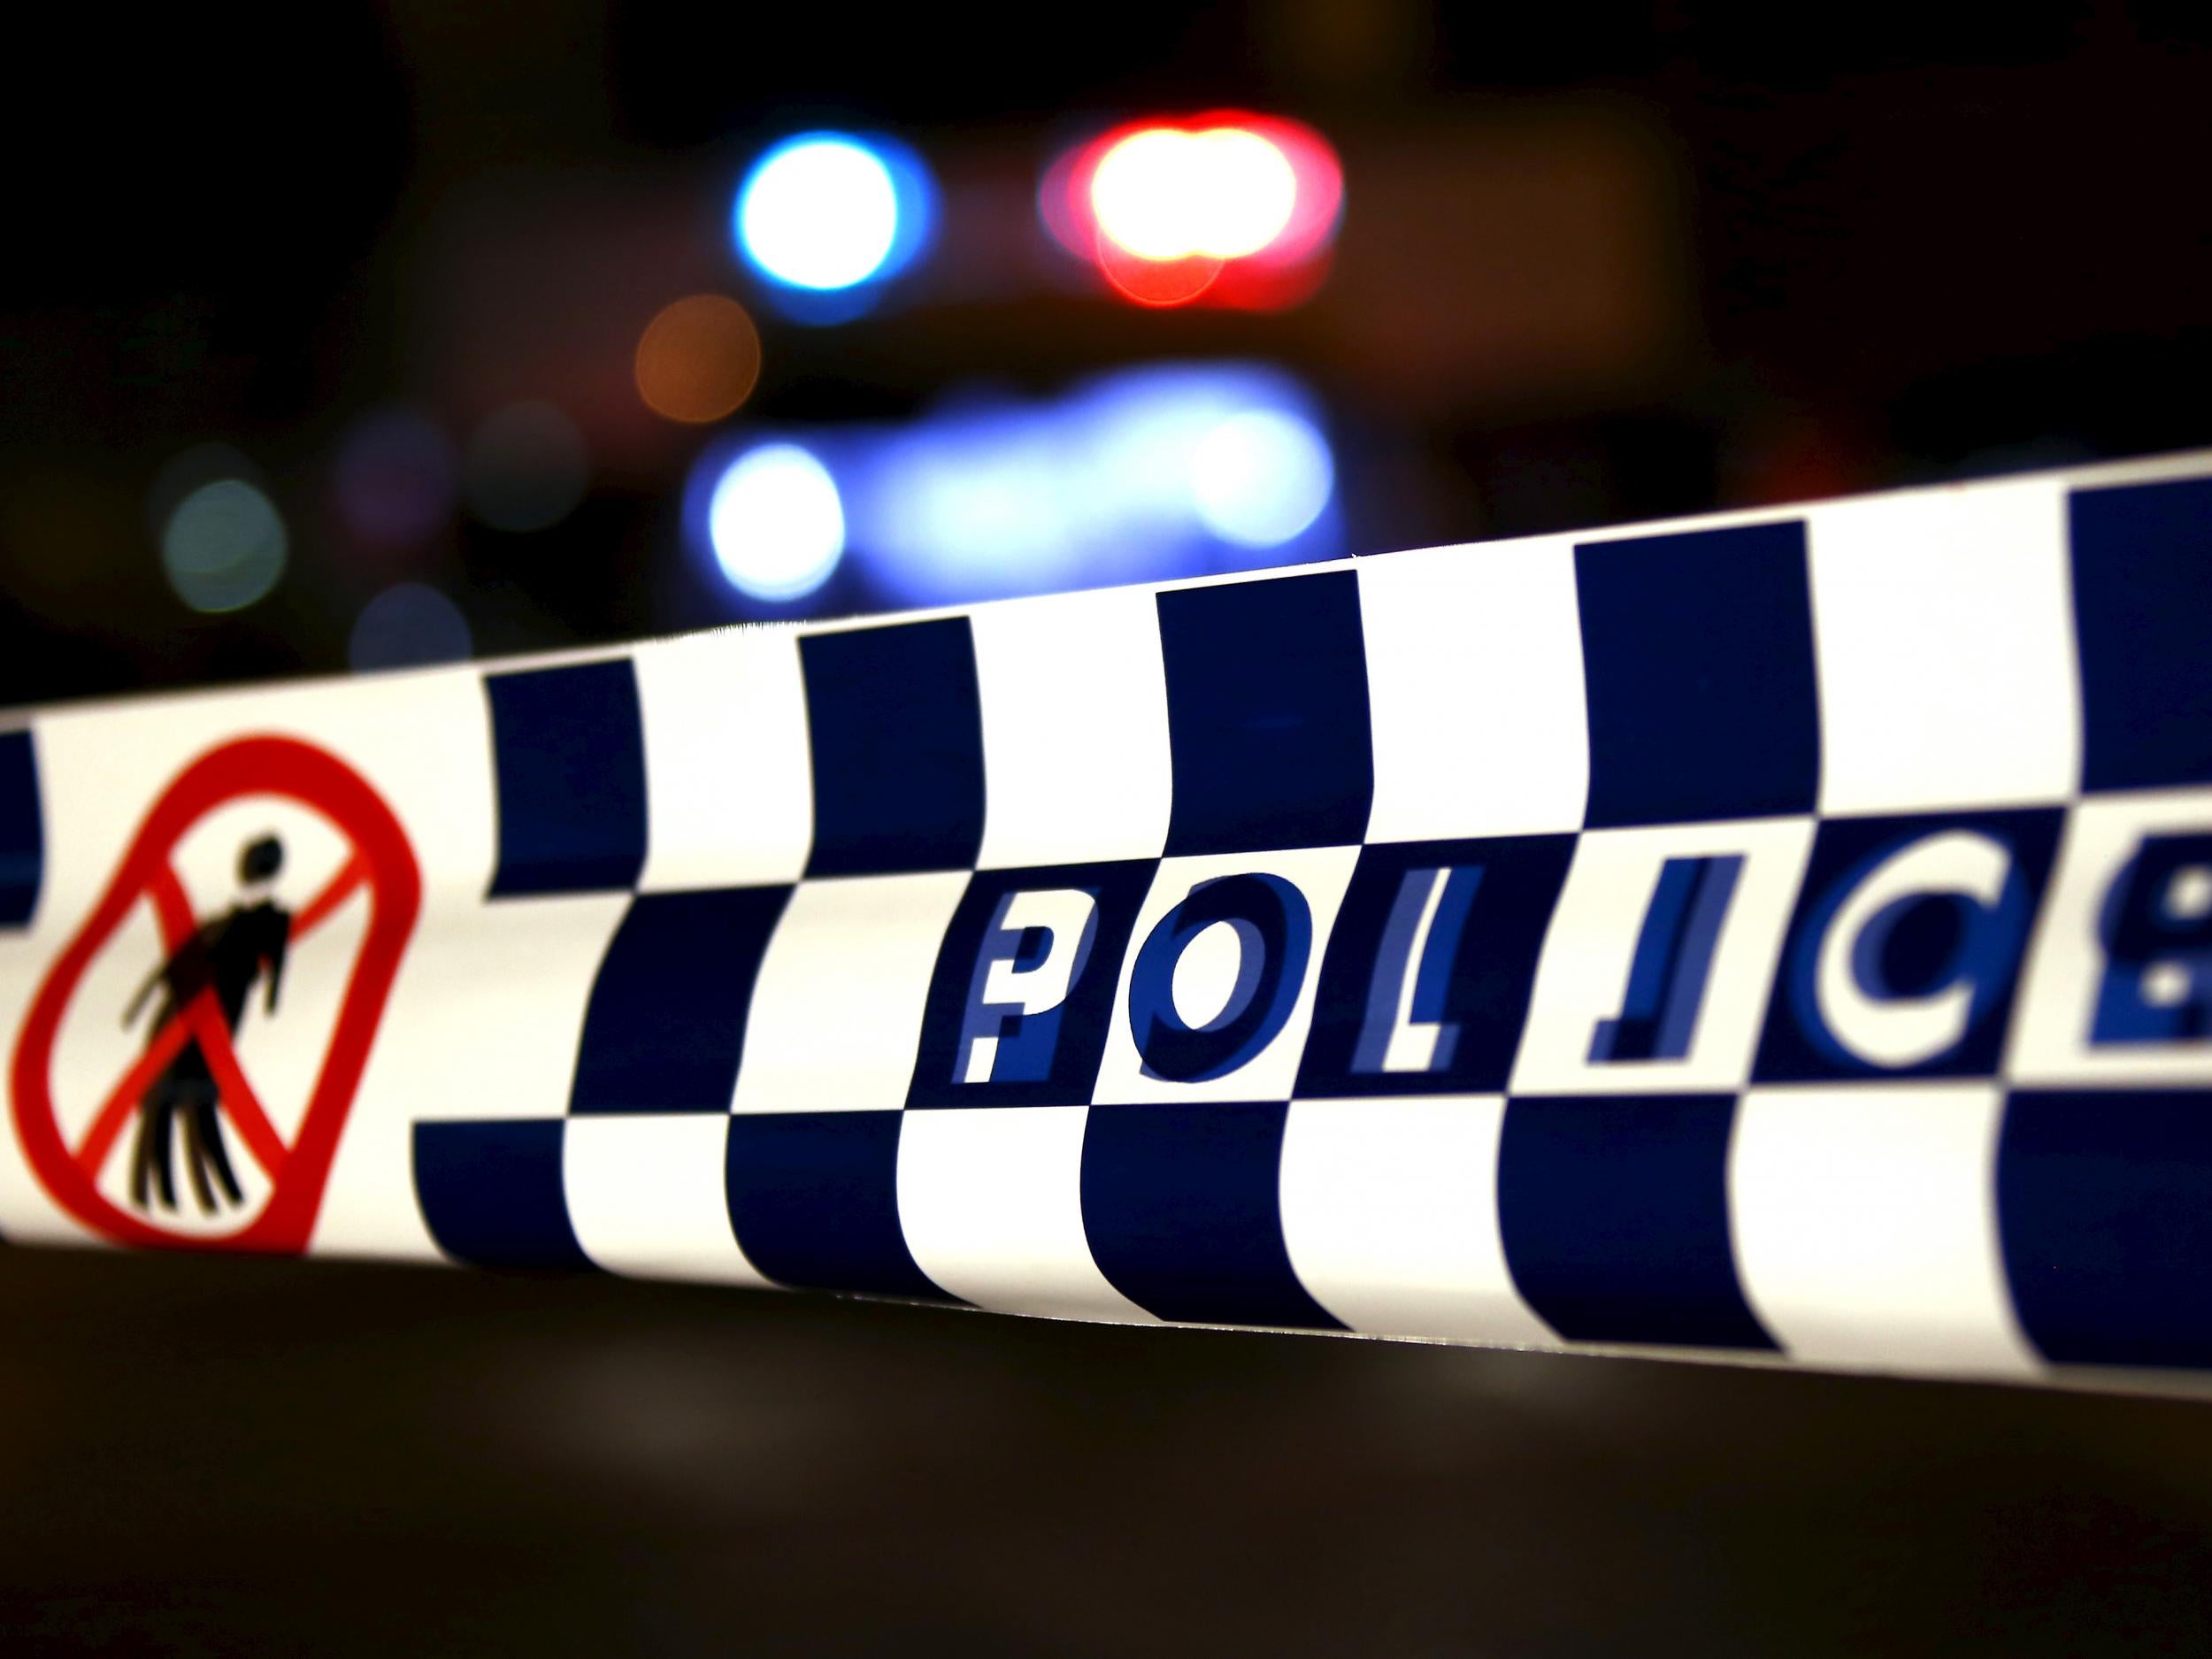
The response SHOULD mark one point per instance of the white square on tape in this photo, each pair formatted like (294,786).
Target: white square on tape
(729,793)
(1076,766)
(1943,626)
(487,1016)
(1390,1212)
(1474,676)
(1865,1217)
(837,1009)
(991,1202)
(646,1195)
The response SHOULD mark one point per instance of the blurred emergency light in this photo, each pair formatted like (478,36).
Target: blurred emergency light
(828,217)
(1225,209)
(773,520)
(1145,473)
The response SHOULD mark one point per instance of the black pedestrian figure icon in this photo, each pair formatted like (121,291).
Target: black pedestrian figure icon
(227,956)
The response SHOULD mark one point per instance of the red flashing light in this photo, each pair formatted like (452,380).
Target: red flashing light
(1224,208)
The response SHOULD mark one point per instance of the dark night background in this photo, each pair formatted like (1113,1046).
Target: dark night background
(1599,262)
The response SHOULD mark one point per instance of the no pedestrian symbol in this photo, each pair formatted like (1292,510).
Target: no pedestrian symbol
(180,1148)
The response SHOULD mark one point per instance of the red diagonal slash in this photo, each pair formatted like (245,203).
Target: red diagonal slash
(92,1151)
(340,887)
(203,1019)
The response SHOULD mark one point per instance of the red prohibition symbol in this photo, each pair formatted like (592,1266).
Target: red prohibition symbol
(377,860)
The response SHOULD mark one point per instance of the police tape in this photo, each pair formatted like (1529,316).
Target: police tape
(1787,933)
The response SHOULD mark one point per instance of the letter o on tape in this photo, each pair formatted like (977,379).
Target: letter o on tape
(1274,931)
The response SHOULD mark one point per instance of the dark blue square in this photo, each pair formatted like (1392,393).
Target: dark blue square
(1487,905)
(1615,1216)
(2104,1202)
(814,1201)
(665,1025)
(1267,714)
(569,749)
(1697,652)
(894,724)
(1181,1209)
(23,831)
(1046,1056)
(1912,942)
(2142,560)
(492,1193)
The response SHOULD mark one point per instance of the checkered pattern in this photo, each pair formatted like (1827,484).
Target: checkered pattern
(1788,935)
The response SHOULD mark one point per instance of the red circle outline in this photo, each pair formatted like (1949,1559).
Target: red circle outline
(289,768)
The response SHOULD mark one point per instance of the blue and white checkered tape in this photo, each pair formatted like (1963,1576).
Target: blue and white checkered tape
(1782,934)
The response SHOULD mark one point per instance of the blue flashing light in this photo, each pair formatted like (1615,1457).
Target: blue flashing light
(1260,477)
(830,216)
(1144,474)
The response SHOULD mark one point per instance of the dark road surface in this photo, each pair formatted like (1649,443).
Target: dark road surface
(207,1457)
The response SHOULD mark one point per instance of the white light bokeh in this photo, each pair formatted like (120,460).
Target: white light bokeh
(819,212)
(1221,194)
(776,523)
(1261,477)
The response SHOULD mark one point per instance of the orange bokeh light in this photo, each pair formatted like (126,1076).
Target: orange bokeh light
(698,359)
